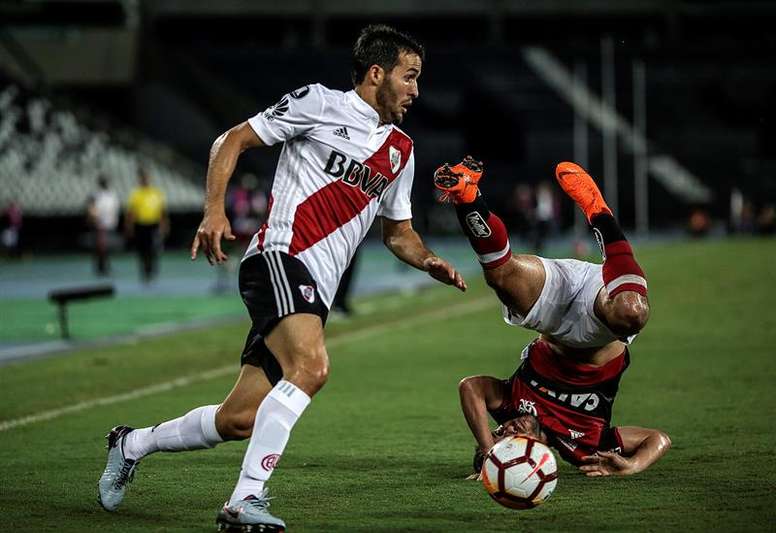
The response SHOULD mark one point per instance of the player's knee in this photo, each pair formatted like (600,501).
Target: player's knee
(235,425)
(630,313)
(309,369)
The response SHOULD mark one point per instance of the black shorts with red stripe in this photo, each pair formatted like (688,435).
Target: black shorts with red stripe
(274,285)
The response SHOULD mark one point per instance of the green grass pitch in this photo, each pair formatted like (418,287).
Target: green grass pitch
(384,446)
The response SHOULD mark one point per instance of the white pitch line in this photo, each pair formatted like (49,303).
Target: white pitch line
(131,395)
(450,312)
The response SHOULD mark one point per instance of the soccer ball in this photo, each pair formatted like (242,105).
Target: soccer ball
(519,472)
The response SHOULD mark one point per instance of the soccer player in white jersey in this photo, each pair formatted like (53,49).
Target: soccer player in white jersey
(587,314)
(344,162)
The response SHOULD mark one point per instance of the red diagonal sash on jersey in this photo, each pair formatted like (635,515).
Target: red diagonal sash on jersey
(334,205)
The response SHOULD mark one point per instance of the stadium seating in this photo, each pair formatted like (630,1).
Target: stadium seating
(50,158)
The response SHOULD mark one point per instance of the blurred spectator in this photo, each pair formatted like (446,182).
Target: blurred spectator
(247,205)
(103,214)
(741,213)
(12,229)
(521,210)
(545,215)
(146,224)
(766,220)
(699,223)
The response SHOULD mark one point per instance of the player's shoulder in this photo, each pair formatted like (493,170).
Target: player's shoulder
(404,139)
(313,99)
(315,91)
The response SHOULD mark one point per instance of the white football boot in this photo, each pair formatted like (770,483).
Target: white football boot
(249,515)
(118,472)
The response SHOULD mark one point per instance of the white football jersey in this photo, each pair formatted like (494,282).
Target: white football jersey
(339,169)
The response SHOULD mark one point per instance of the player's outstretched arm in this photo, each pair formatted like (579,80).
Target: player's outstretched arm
(479,395)
(406,244)
(641,447)
(224,154)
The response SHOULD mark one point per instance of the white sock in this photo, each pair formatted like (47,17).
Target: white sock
(275,418)
(193,431)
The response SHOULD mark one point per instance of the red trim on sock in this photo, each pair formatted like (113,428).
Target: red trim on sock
(620,262)
(635,287)
(497,262)
(497,240)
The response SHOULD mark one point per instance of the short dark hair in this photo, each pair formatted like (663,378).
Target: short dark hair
(378,44)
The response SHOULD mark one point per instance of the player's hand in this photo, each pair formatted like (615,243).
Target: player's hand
(607,464)
(441,270)
(208,237)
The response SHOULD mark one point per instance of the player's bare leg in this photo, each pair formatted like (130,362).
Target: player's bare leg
(127,446)
(235,416)
(623,302)
(516,279)
(297,343)
(200,428)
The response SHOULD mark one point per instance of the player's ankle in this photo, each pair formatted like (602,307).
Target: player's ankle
(136,444)
(246,486)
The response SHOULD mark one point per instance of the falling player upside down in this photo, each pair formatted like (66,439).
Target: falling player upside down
(587,315)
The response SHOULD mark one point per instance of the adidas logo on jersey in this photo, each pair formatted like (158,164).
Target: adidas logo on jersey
(576,434)
(342,132)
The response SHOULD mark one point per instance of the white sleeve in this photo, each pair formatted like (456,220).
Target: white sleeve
(396,204)
(294,115)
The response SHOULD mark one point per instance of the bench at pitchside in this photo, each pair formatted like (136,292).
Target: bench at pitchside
(62,297)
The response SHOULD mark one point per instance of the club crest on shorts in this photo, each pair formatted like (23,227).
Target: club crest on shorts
(308,293)
(394,156)
(477,225)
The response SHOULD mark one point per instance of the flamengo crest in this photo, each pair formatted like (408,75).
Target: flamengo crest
(394,156)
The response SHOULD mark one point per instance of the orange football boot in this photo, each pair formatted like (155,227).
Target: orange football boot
(582,189)
(459,183)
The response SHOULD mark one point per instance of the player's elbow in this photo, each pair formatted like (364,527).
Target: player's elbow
(468,387)
(664,441)
(237,139)
(473,390)
(388,241)
(465,385)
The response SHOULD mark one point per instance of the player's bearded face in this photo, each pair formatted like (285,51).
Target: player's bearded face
(399,88)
